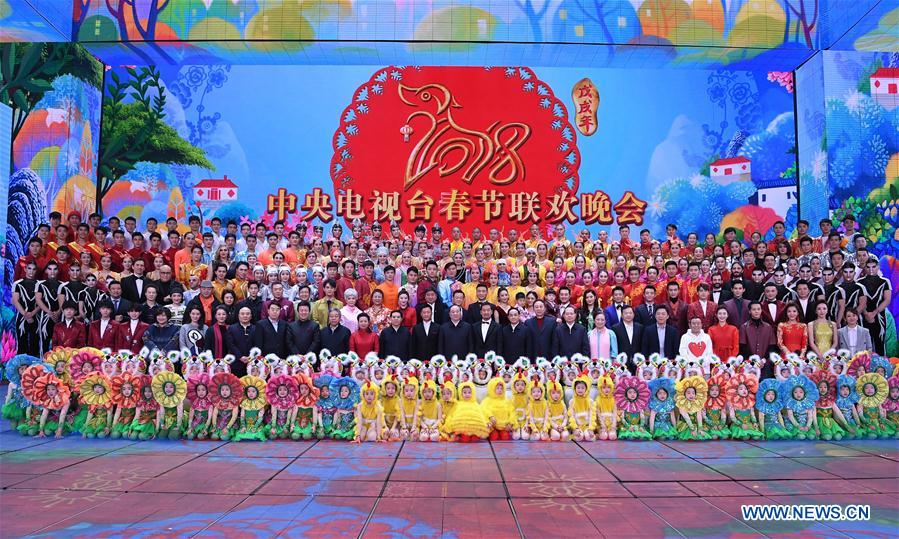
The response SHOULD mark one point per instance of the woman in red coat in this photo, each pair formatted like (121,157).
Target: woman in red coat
(725,337)
(363,340)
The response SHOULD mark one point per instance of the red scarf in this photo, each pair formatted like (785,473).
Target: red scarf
(218,331)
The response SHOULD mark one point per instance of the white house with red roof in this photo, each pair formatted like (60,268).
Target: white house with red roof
(885,87)
(731,169)
(215,192)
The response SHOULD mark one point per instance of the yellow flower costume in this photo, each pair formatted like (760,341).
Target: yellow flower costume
(581,411)
(252,410)
(499,408)
(692,394)
(371,416)
(468,418)
(169,390)
(873,390)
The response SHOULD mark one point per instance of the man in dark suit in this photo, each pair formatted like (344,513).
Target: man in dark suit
(438,309)
(613,311)
(425,334)
(804,301)
(544,329)
(486,333)
(737,306)
(629,335)
(571,337)
(304,334)
(239,340)
(670,336)
(134,287)
(719,294)
(473,313)
(455,337)
(516,339)
(772,308)
(271,333)
(394,339)
(645,313)
(119,304)
(335,337)
(677,307)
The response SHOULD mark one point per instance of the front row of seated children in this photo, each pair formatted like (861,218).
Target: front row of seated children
(99,394)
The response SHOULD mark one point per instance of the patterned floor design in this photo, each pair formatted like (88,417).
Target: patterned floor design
(107,488)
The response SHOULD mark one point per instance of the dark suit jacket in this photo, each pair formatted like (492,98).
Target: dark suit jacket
(269,340)
(626,346)
(395,342)
(642,316)
(125,340)
(473,313)
(122,310)
(678,316)
(455,340)
(570,341)
(424,346)
(808,314)
(518,342)
(723,295)
(106,341)
(336,341)
(736,316)
(439,314)
(493,342)
(303,337)
(129,289)
(651,343)
(238,342)
(611,316)
(544,338)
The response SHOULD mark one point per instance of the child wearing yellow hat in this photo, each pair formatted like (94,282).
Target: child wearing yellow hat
(558,413)
(538,412)
(520,404)
(390,404)
(447,404)
(430,413)
(468,421)
(500,411)
(409,409)
(581,413)
(370,415)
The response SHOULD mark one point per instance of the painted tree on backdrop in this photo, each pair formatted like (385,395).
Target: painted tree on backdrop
(27,72)
(133,129)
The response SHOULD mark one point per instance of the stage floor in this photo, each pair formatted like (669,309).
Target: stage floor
(111,488)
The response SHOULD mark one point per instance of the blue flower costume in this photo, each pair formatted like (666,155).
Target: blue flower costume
(663,429)
(800,397)
(16,404)
(770,409)
(344,427)
(847,406)
(881,366)
(325,405)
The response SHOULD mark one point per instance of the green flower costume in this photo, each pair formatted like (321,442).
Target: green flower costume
(632,397)
(252,426)
(872,393)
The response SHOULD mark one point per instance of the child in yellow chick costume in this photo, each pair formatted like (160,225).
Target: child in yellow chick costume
(429,413)
(581,413)
(409,409)
(606,410)
(558,414)
(500,410)
(390,404)
(468,421)
(447,404)
(520,403)
(538,413)
(369,415)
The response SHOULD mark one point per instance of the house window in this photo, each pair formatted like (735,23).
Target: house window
(764,197)
(789,195)
(893,88)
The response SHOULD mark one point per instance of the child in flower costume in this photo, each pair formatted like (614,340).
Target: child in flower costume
(390,403)
(800,396)
(48,391)
(199,395)
(408,409)
(430,412)
(558,412)
(16,406)
(95,392)
(891,405)
(447,404)
(252,410)
(324,405)
(881,365)
(692,393)
(581,411)
(369,415)
(860,364)
(30,426)
(715,413)
(520,404)
(632,399)
(345,390)
(468,421)
(305,417)
(827,427)
(500,411)
(227,392)
(847,404)
(769,405)
(169,390)
(872,393)
(741,391)
(83,362)
(148,413)
(662,421)
(282,392)
(125,392)
(538,412)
